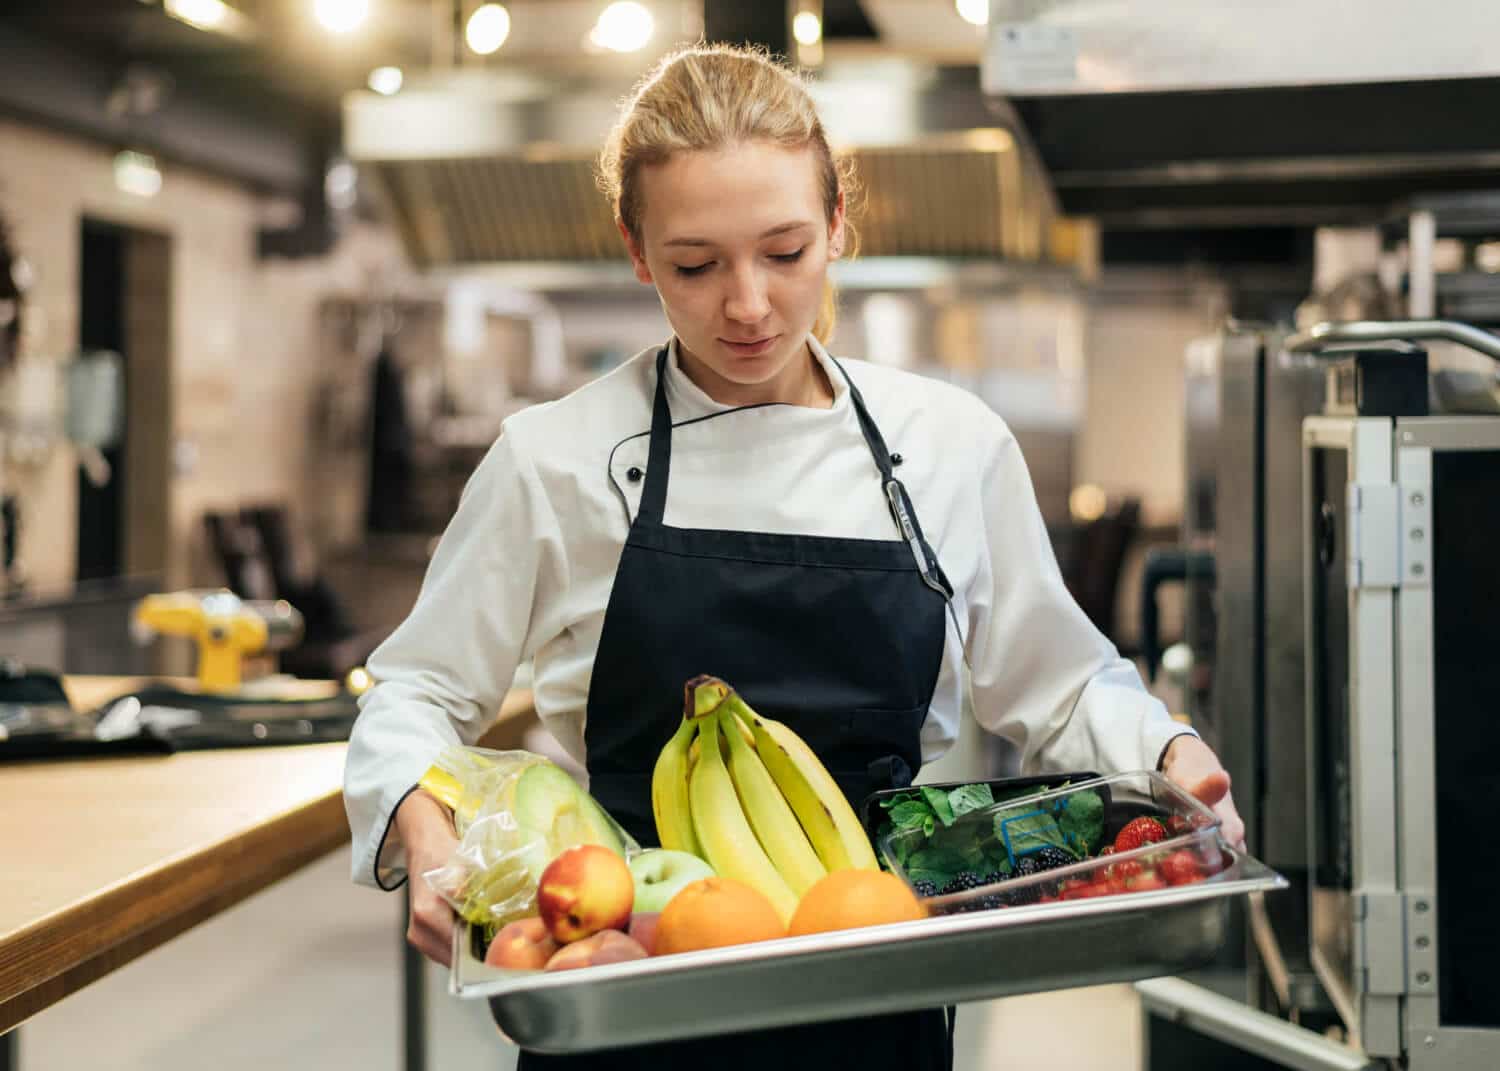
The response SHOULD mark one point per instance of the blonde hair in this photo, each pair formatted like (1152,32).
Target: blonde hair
(709,97)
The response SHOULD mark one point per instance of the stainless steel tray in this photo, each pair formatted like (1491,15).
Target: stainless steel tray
(877,969)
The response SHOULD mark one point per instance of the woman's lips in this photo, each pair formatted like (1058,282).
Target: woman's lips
(749,349)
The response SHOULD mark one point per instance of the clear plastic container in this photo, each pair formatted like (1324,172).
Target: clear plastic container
(1069,835)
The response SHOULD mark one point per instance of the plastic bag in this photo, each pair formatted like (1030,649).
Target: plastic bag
(514,812)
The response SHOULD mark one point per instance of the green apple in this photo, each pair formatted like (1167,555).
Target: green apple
(660,872)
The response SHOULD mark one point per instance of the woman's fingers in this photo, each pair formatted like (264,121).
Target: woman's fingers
(430,928)
(1211,787)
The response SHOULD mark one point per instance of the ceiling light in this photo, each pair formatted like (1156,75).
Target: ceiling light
(204,14)
(623,27)
(137,174)
(973,11)
(341,16)
(487,28)
(212,15)
(386,80)
(807,28)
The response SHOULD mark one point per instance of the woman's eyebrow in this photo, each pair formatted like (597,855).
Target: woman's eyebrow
(781,228)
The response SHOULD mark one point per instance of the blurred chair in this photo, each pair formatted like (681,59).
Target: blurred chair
(263,556)
(1092,559)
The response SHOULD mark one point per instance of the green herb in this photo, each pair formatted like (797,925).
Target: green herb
(1082,822)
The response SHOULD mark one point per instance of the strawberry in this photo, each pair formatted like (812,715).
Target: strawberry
(1180,868)
(1145,882)
(1126,869)
(1178,824)
(1084,892)
(1139,831)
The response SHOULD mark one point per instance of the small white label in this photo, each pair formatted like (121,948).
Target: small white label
(1029,56)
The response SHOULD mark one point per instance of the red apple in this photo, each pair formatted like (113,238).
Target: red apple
(606,946)
(584,890)
(643,929)
(523,945)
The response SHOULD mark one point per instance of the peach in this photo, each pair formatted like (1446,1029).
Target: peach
(584,890)
(606,946)
(523,945)
(643,929)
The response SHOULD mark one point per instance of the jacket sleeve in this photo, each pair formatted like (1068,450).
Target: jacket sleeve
(1043,676)
(441,675)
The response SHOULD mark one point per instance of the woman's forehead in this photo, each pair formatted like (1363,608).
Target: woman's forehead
(727,194)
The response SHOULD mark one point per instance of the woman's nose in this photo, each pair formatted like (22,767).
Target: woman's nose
(745,300)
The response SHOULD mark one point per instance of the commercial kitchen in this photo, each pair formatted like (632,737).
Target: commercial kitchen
(1221,280)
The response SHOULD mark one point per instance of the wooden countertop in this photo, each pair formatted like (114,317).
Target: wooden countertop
(107,858)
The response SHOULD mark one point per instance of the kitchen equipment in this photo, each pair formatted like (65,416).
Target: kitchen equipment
(224,627)
(1397,600)
(1401,517)
(868,971)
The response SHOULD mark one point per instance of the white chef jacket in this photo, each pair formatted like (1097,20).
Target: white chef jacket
(525,568)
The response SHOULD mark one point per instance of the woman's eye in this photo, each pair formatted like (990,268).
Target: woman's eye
(789,258)
(693,269)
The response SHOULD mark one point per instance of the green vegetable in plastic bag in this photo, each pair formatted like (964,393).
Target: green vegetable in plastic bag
(514,813)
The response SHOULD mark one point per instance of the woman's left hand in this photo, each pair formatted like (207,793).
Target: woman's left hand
(1192,764)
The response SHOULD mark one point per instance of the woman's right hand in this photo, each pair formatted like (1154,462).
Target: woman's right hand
(426,830)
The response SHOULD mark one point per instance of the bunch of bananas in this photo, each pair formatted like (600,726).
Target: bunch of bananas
(748,795)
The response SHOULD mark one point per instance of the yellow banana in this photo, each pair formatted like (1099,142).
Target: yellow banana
(830,823)
(723,831)
(669,792)
(770,816)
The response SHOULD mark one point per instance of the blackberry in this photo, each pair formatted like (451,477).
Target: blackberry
(1027,867)
(1050,858)
(924,888)
(963,883)
(994,877)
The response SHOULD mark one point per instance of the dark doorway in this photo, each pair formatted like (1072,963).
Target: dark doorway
(125,304)
(101,326)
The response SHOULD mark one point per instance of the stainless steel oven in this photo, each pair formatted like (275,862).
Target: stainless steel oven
(1358,583)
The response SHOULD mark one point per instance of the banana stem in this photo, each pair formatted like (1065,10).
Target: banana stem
(703,695)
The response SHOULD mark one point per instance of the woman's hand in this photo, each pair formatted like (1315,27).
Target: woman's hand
(1191,763)
(426,830)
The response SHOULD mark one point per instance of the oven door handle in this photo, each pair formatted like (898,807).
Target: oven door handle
(1248,1029)
(1321,336)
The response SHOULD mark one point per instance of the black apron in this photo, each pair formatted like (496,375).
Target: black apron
(840,638)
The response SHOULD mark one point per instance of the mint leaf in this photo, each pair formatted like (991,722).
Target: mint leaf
(1022,831)
(1082,822)
(910,815)
(970,798)
(937,799)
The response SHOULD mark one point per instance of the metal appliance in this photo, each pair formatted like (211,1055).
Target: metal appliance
(1362,619)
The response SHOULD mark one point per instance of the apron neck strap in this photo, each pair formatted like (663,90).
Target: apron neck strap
(659,460)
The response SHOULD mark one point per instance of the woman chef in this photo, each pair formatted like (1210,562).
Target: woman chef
(831,537)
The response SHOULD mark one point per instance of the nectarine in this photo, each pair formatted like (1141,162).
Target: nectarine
(523,945)
(584,890)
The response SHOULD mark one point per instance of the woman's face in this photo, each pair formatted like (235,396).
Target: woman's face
(737,244)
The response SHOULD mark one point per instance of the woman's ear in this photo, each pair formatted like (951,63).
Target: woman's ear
(637,260)
(836,231)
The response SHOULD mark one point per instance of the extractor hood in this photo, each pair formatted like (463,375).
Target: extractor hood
(488,167)
(1299,112)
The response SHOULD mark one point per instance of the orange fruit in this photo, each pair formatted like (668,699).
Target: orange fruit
(712,913)
(849,898)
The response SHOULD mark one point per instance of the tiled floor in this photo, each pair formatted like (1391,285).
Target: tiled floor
(307,975)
